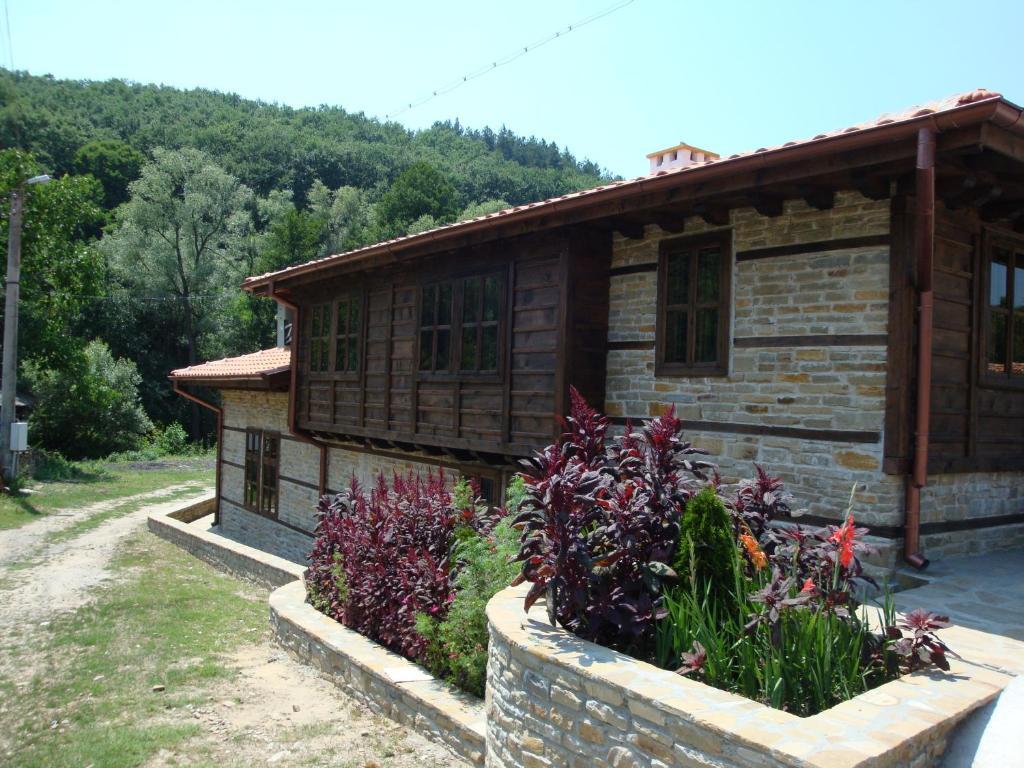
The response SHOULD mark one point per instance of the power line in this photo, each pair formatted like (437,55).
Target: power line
(508,58)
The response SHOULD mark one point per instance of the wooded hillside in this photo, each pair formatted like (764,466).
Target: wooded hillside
(164,199)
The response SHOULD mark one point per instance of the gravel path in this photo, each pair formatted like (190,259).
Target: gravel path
(40,578)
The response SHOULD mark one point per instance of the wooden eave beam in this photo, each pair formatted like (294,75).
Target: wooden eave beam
(871,186)
(727,181)
(1002,209)
(768,204)
(1003,142)
(714,215)
(670,221)
(818,197)
(970,192)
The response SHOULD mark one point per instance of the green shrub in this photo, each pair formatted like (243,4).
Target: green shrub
(90,408)
(457,646)
(51,466)
(706,560)
(172,440)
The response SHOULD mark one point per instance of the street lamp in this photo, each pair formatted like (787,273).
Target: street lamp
(10,361)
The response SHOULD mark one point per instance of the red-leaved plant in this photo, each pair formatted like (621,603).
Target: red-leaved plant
(601,523)
(390,550)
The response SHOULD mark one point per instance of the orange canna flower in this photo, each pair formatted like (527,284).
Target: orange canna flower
(757,555)
(809,586)
(843,539)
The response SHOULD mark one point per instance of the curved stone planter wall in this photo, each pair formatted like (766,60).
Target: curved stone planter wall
(386,682)
(556,700)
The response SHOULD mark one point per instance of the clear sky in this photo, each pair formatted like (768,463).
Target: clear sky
(726,76)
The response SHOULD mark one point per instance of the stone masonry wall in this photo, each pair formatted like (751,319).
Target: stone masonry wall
(837,292)
(827,293)
(299,475)
(970,496)
(244,409)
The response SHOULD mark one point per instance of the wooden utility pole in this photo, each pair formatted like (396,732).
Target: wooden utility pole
(10,361)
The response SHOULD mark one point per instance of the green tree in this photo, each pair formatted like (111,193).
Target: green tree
(293,239)
(61,269)
(421,190)
(346,212)
(181,236)
(90,408)
(114,164)
(482,209)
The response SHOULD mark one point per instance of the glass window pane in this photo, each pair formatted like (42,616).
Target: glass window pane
(429,300)
(315,324)
(997,279)
(997,341)
(706,345)
(342,317)
(444,304)
(675,337)
(325,359)
(426,350)
(471,300)
(353,353)
(489,353)
(678,279)
(444,343)
(354,306)
(314,355)
(492,298)
(340,353)
(469,349)
(1018,282)
(1018,344)
(709,274)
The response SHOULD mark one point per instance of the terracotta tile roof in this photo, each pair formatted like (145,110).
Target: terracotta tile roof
(264,363)
(922,110)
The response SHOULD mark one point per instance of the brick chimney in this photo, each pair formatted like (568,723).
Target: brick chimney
(678,156)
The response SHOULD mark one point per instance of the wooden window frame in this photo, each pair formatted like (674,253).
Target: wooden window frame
(326,338)
(258,504)
(455,370)
(435,327)
(357,334)
(480,323)
(251,482)
(1015,244)
(691,245)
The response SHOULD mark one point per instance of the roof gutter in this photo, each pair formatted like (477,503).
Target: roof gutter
(992,108)
(220,442)
(293,391)
(924,244)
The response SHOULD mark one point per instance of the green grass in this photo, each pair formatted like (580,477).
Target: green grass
(96,483)
(86,524)
(169,623)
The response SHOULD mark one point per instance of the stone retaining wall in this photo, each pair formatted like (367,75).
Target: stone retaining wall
(234,557)
(384,681)
(556,700)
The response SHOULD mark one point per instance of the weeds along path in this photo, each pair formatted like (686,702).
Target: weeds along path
(51,566)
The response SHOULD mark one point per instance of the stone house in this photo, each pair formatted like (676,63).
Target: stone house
(845,310)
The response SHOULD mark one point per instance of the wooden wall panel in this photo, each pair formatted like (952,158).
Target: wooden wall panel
(556,286)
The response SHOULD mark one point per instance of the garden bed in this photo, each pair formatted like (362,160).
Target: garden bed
(555,699)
